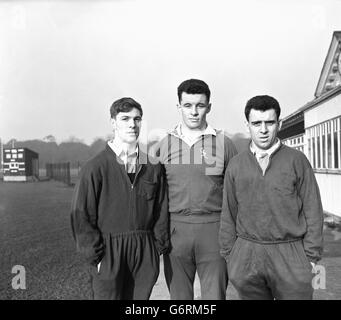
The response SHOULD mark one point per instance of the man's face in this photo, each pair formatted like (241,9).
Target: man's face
(263,127)
(127,125)
(193,109)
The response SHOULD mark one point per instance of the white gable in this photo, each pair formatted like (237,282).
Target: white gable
(330,77)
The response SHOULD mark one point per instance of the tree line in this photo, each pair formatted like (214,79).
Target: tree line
(77,152)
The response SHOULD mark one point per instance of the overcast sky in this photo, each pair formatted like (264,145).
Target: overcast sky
(63,63)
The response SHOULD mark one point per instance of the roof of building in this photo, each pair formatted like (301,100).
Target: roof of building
(330,76)
(329,83)
(24,149)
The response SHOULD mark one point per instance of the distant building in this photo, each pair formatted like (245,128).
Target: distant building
(315,129)
(1,161)
(20,164)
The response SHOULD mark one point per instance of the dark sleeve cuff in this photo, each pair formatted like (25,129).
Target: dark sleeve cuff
(163,248)
(313,259)
(225,254)
(94,255)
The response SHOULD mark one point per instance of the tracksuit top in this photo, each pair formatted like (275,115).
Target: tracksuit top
(195,175)
(106,202)
(282,205)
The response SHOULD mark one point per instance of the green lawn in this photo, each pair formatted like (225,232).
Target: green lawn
(35,233)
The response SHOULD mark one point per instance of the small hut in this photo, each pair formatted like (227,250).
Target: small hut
(20,164)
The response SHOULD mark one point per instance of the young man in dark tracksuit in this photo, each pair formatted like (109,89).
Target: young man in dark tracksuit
(195,157)
(272,217)
(119,212)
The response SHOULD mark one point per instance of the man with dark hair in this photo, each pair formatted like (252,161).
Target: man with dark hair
(124,105)
(119,212)
(195,157)
(194,86)
(262,103)
(272,217)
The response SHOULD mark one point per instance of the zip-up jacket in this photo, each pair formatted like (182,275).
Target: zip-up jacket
(282,205)
(107,204)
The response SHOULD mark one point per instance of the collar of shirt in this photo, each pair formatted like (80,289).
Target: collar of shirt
(121,152)
(257,152)
(189,140)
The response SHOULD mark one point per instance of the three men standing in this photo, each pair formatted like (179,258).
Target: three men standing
(261,210)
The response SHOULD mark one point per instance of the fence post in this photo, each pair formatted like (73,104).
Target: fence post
(68,174)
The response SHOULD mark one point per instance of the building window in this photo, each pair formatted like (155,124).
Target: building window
(309,146)
(20,155)
(313,152)
(323,152)
(335,158)
(339,141)
(318,149)
(329,146)
(8,156)
(14,165)
(324,141)
(295,142)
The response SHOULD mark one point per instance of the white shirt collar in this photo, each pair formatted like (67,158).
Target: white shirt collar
(191,140)
(256,151)
(119,149)
(209,130)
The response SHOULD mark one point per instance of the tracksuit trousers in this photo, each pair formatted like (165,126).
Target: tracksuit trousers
(129,268)
(195,248)
(270,271)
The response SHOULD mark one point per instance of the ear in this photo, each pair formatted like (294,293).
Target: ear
(280,122)
(113,123)
(247,126)
(208,108)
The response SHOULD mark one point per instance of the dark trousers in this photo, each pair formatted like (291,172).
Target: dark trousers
(195,248)
(270,271)
(129,269)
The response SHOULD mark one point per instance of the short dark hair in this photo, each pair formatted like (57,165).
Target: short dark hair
(194,86)
(124,105)
(262,103)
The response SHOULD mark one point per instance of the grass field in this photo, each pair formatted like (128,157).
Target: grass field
(35,233)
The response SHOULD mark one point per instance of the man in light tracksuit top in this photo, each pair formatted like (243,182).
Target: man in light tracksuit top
(119,212)
(272,217)
(195,157)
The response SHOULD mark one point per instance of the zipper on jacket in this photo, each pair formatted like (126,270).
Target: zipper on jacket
(133,198)
(137,172)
